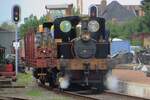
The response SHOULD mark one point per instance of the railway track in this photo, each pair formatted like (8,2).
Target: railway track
(4,81)
(7,83)
(12,86)
(12,98)
(107,95)
(67,93)
(2,97)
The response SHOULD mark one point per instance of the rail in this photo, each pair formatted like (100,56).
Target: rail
(107,95)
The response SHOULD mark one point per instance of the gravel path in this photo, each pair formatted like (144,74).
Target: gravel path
(131,76)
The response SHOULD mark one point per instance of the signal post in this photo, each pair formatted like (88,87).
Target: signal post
(16,11)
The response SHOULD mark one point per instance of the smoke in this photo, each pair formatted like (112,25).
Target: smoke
(112,83)
(64,82)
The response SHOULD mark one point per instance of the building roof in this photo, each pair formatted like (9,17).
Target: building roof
(133,8)
(115,11)
(4,30)
(130,7)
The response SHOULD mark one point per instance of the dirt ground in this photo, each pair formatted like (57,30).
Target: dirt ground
(131,76)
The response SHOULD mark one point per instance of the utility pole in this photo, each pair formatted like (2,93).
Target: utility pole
(16,18)
(16,48)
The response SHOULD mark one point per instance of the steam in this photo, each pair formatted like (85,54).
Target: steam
(64,82)
(112,83)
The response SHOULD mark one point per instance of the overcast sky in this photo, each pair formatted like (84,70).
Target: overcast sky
(37,7)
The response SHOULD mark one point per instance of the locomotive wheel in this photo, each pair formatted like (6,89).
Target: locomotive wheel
(52,77)
(42,81)
(100,87)
(97,87)
(51,82)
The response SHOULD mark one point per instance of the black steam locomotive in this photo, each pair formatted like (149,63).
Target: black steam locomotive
(82,57)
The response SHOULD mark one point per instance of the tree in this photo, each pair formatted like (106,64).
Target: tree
(43,19)
(8,26)
(75,11)
(126,29)
(30,23)
(146,8)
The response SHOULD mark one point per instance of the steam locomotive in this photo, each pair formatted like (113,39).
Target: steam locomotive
(71,50)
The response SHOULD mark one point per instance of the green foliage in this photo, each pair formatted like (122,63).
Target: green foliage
(43,19)
(8,26)
(146,8)
(137,25)
(124,30)
(75,12)
(30,23)
(24,79)
(136,42)
(34,92)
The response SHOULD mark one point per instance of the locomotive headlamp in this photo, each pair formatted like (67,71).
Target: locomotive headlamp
(93,26)
(65,26)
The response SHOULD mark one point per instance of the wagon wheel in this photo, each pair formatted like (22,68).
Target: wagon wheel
(42,81)
(51,80)
(52,77)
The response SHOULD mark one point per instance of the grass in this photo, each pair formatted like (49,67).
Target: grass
(24,79)
(34,92)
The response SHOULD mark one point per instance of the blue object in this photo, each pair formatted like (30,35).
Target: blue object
(120,47)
